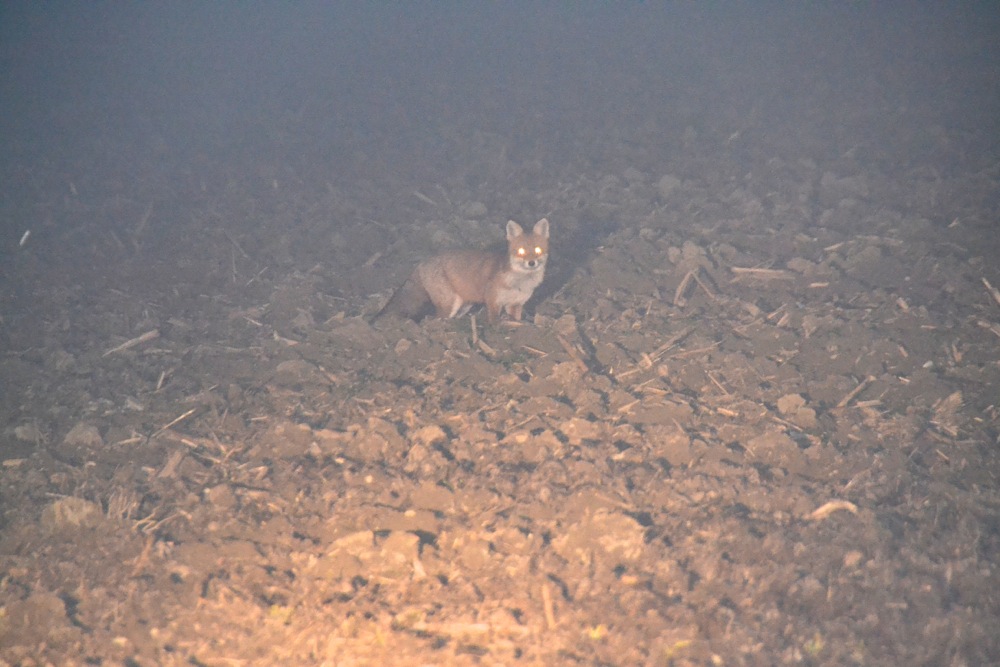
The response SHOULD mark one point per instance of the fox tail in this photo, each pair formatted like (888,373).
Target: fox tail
(410,300)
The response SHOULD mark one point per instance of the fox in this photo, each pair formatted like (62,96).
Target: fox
(453,282)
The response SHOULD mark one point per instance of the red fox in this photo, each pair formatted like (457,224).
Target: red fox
(455,281)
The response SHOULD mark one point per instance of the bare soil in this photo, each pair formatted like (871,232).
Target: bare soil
(751,417)
(737,428)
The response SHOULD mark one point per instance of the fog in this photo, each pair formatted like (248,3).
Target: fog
(85,80)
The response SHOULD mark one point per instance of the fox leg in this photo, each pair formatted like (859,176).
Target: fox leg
(492,312)
(455,308)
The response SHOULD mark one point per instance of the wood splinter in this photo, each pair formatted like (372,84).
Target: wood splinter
(829,508)
(851,395)
(994,292)
(691,276)
(148,336)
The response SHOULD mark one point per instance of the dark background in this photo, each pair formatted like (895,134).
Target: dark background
(113,86)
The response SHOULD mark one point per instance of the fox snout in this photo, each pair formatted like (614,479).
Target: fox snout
(528,264)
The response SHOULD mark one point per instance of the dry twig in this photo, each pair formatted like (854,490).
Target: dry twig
(550,616)
(174,422)
(148,336)
(767,274)
(829,508)
(574,355)
(691,276)
(994,328)
(854,392)
(994,292)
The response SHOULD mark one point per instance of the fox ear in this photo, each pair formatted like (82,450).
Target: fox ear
(542,227)
(513,229)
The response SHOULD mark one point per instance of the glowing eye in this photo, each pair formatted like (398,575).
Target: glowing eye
(521,252)
(538,251)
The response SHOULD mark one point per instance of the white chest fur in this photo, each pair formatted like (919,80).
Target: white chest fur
(517,286)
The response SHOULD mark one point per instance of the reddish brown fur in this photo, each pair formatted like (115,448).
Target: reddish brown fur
(452,282)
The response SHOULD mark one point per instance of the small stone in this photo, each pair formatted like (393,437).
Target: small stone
(68,513)
(84,435)
(633,176)
(667,185)
(790,403)
(852,559)
(429,435)
(578,429)
(474,210)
